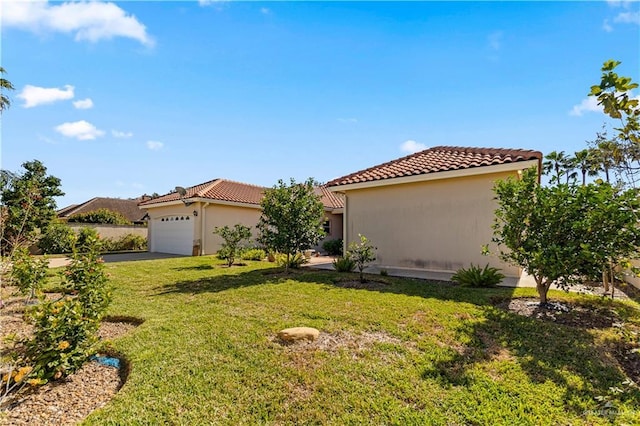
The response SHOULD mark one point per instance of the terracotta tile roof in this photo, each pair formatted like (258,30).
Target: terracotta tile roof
(437,159)
(331,200)
(128,208)
(217,189)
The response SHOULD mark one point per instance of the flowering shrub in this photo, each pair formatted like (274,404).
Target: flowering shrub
(65,330)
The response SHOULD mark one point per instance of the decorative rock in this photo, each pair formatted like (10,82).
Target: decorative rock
(299,333)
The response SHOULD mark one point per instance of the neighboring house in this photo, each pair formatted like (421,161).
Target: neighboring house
(431,210)
(333,208)
(127,208)
(183,224)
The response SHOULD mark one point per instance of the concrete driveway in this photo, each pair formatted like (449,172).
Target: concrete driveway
(117,257)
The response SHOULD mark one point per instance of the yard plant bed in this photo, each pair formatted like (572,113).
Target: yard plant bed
(404,352)
(68,401)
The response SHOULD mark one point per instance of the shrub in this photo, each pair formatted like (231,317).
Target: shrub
(233,237)
(126,242)
(57,238)
(478,277)
(344,264)
(105,216)
(295,260)
(333,247)
(362,254)
(253,254)
(65,331)
(28,273)
(85,235)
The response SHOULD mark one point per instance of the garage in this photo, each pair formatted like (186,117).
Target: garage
(172,234)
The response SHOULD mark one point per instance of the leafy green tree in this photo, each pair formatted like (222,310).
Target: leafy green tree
(28,273)
(233,237)
(104,216)
(292,218)
(27,204)
(362,253)
(5,85)
(613,93)
(623,150)
(533,229)
(564,233)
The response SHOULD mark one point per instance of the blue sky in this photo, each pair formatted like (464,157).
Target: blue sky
(125,98)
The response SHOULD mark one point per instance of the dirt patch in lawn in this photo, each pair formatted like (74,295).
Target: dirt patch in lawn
(331,342)
(70,400)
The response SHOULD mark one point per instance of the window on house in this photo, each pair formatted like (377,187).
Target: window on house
(327,227)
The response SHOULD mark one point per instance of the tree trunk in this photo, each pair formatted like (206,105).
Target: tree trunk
(605,280)
(286,266)
(542,289)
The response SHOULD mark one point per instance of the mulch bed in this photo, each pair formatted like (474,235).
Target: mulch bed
(68,401)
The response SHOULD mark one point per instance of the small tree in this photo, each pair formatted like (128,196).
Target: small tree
(533,229)
(233,237)
(292,218)
(362,254)
(28,273)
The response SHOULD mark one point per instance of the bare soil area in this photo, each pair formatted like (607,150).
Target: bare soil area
(68,401)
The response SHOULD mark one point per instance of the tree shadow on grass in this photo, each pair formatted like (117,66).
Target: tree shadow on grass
(228,281)
(194,268)
(544,351)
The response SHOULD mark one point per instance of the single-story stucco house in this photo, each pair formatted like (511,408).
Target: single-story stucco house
(431,210)
(184,223)
(126,207)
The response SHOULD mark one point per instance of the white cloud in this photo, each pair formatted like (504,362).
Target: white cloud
(81,130)
(628,18)
(83,104)
(155,145)
(412,147)
(34,95)
(590,104)
(121,135)
(91,21)
(495,40)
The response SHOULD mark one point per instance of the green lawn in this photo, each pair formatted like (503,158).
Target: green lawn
(410,352)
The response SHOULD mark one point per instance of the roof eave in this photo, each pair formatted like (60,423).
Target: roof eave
(200,200)
(473,171)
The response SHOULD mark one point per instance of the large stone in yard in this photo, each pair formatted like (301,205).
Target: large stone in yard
(298,333)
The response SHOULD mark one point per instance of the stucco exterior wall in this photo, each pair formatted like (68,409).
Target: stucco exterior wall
(437,225)
(221,215)
(335,229)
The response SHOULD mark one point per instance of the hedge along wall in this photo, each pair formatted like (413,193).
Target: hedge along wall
(111,231)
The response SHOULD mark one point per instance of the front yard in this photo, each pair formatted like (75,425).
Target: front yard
(398,352)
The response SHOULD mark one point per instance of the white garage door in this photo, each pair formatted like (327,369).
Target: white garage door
(172,234)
